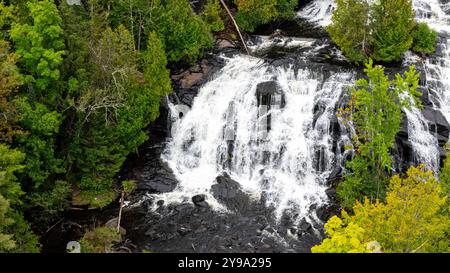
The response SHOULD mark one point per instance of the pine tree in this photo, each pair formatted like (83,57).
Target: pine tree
(350,30)
(392,25)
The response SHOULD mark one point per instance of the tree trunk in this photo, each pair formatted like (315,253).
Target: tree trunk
(236,26)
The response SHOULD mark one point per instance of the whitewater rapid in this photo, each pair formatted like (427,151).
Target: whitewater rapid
(287,163)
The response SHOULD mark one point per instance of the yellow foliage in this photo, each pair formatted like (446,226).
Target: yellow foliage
(415,218)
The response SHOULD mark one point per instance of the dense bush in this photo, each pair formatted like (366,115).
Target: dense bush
(392,26)
(15,233)
(382,30)
(184,34)
(350,29)
(77,95)
(9,84)
(99,240)
(413,219)
(424,39)
(252,13)
(212,13)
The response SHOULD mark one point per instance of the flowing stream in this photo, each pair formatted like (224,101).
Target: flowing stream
(257,123)
(436,13)
(274,129)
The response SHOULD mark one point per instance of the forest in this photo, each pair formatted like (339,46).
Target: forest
(81,83)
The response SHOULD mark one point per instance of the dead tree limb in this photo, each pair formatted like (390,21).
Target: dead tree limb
(235,25)
(122,197)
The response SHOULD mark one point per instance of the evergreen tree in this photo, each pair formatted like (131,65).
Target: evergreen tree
(424,39)
(392,26)
(349,29)
(376,112)
(252,13)
(15,233)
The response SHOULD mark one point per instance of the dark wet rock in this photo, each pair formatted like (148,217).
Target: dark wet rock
(303,227)
(112,224)
(198,199)
(266,90)
(191,79)
(228,192)
(438,123)
(223,43)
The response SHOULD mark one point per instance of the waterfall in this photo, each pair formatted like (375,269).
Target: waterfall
(424,144)
(318,12)
(436,13)
(274,129)
(268,127)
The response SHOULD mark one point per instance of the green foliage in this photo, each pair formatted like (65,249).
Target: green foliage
(25,240)
(76,64)
(9,84)
(128,186)
(382,30)
(38,143)
(349,29)
(119,104)
(6,242)
(375,110)
(212,15)
(444,175)
(184,34)
(424,39)
(15,233)
(252,13)
(415,218)
(10,162)
(40,46)
(99,240)
(6,16)
(44,207)
(342,238)
(392,25)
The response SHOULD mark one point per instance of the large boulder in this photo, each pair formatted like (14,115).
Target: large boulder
(229,192)
(157,177)
(270,93)
(438,124)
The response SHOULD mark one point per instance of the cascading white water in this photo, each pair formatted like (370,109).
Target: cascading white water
(424,144)
(278,163)
(289,163)
(436,14)
(318,12)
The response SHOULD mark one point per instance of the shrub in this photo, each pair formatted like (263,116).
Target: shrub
(252,13)
(413,219)
(424,39)
(99,240)
(212,15)
(349,29)
(382,30)
(15,232)
(183,33)
(44,207)
(444,175)
(392,25)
